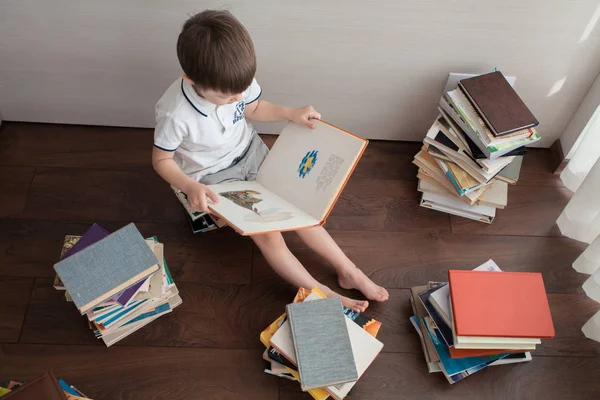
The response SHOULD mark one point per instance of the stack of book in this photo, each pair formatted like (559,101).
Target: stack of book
(320,344)
(480,318)
(119,281)
(42,388)
(199,222)
(475,148)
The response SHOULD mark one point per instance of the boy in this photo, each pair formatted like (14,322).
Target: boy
(202,138)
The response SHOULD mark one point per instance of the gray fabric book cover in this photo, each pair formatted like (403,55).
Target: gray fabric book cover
(322,343)
(106,267)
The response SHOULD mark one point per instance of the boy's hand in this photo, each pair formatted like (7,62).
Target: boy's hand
(197,196)
(303,116)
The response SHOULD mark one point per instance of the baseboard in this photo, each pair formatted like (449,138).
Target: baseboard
(557,158)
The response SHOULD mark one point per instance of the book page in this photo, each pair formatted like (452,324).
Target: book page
(253,209)
(309,167)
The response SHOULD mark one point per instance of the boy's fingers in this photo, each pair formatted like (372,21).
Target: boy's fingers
(212,196)
(203,205)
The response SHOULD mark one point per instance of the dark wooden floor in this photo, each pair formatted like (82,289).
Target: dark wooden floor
(57,180)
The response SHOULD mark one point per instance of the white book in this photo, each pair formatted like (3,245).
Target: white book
(510,360)
(145,306)
(432,367)
(118,335)
(365,349)
(442,295)
(462,156)
(434,184)
(156,283)
(496,195)
(457,207)
(298,183)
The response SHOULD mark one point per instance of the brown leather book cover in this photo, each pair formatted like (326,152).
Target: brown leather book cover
(498,104)
(45,387)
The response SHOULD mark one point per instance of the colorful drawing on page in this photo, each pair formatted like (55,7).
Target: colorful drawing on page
(247,199)
(308,163)
(243,198)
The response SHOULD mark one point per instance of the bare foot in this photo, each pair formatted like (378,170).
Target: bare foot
(356,305)
(356,279)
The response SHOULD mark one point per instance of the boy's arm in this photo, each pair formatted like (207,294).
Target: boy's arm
(167,168)
(263,111)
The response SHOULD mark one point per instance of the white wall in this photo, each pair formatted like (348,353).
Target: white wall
(572,135)
(373,67)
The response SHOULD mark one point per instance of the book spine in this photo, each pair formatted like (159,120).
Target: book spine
(289,312)
(450,176)
(446,105)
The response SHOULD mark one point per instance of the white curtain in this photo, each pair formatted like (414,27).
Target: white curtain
(580,219)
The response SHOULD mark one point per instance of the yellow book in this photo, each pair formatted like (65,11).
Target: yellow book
(265,337)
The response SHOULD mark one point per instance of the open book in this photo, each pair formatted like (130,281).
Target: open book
(298,183)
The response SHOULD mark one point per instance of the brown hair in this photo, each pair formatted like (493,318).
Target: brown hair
(216,52)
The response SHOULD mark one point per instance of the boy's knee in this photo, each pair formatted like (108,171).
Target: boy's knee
(269,240)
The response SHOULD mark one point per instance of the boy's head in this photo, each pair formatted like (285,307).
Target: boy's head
(216,53)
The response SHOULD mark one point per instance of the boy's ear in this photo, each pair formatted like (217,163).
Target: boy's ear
(185,77)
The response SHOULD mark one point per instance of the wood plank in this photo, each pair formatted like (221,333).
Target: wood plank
(531,211)
(404,376)
(220,256)
(232,316)
(66,194)
(388,160)
(14,297)
(538,169)
(212,315)
(75,146)
(384,205)
(569,313)
(145,372)
(15,183)
(30,248)
(402,260)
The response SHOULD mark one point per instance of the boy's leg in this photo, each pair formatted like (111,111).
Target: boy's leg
(286,265)
(349,276)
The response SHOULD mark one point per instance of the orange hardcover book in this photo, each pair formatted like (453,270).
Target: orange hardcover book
(464,353)
(510,304)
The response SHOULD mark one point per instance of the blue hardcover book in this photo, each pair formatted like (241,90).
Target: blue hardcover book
(157,310)
(122,314)
(67,388)
(454,366)
(107,267)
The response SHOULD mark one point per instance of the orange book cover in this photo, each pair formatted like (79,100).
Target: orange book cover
(510,304)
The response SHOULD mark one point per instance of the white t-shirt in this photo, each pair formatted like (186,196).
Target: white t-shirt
(206,138)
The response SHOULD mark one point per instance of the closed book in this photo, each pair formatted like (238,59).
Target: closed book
(455,206)
(498,104)
(107,267)
(94,234)
(45,387)
(499,305)
(510,174)
(322,343)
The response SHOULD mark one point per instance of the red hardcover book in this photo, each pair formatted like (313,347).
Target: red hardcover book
(510,304)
